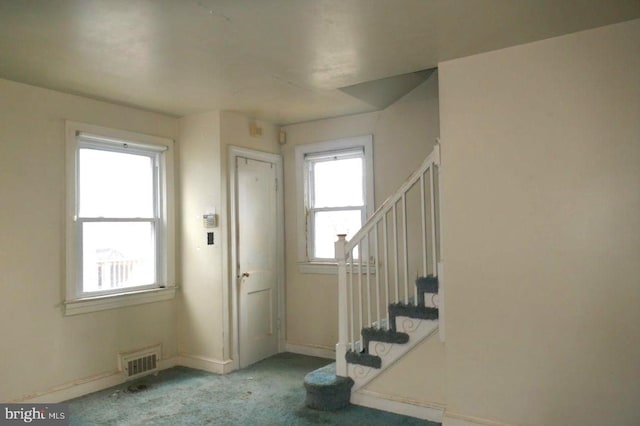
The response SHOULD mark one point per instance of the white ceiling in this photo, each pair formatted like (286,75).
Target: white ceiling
(280,60)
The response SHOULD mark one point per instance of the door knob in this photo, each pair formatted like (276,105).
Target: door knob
(245,275)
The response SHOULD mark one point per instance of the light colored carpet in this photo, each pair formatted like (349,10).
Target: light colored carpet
(270,392)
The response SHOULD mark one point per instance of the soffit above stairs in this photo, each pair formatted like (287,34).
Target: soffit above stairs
(383,92)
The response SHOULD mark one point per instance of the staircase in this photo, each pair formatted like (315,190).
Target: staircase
(391,335)
(382,316)
(409,324)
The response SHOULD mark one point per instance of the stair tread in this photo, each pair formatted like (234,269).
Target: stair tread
(324,376)
(428,284)
(384,335)
(363,358)
(325,390)
(411,311)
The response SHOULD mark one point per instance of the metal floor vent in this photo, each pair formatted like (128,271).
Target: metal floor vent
(140,363)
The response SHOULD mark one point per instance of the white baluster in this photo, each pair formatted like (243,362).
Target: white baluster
(375,259)
(424,226)
(360,304)
(395,251)
(386,267)
(367,274)
(434,235)
(352,330)
(343,307)
(406,248)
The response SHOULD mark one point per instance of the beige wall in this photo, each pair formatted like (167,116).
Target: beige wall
(541,230)
(204,141)
(200,308)
(403,135)
(419,377)
(33,330)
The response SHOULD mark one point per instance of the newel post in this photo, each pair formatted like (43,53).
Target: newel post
(343,312)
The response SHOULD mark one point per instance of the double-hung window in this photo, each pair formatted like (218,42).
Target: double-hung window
(119,226)
(335,198)
(337,192)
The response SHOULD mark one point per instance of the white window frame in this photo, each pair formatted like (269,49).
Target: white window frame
(365,142)
(81,135)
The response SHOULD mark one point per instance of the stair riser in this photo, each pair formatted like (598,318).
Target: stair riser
(411,311)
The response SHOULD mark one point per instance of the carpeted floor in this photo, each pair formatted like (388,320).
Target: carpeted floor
(268,393)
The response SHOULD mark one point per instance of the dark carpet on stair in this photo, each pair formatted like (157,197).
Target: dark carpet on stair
(270,392)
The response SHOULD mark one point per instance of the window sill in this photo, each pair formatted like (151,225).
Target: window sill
(328,268)
(112,301)
(325,268)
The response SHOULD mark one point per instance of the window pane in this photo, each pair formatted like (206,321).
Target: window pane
(327,225)
(338,183)
(115,184)
(117,255)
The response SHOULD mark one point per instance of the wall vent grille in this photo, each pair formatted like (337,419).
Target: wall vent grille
(140,363)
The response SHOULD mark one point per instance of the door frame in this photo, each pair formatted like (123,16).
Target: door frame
(276,159)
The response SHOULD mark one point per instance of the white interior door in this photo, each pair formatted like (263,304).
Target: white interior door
(257,259)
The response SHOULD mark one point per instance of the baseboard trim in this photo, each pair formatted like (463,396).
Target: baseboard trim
(457,419)
(206,364)
(81,387)
(398,405)
(310,350)
(74,389)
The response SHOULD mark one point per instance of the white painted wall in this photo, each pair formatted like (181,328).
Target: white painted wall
(40,348)
(419,377)
(541,230)
(200,303)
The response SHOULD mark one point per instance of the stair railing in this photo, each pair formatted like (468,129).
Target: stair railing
(374,266)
